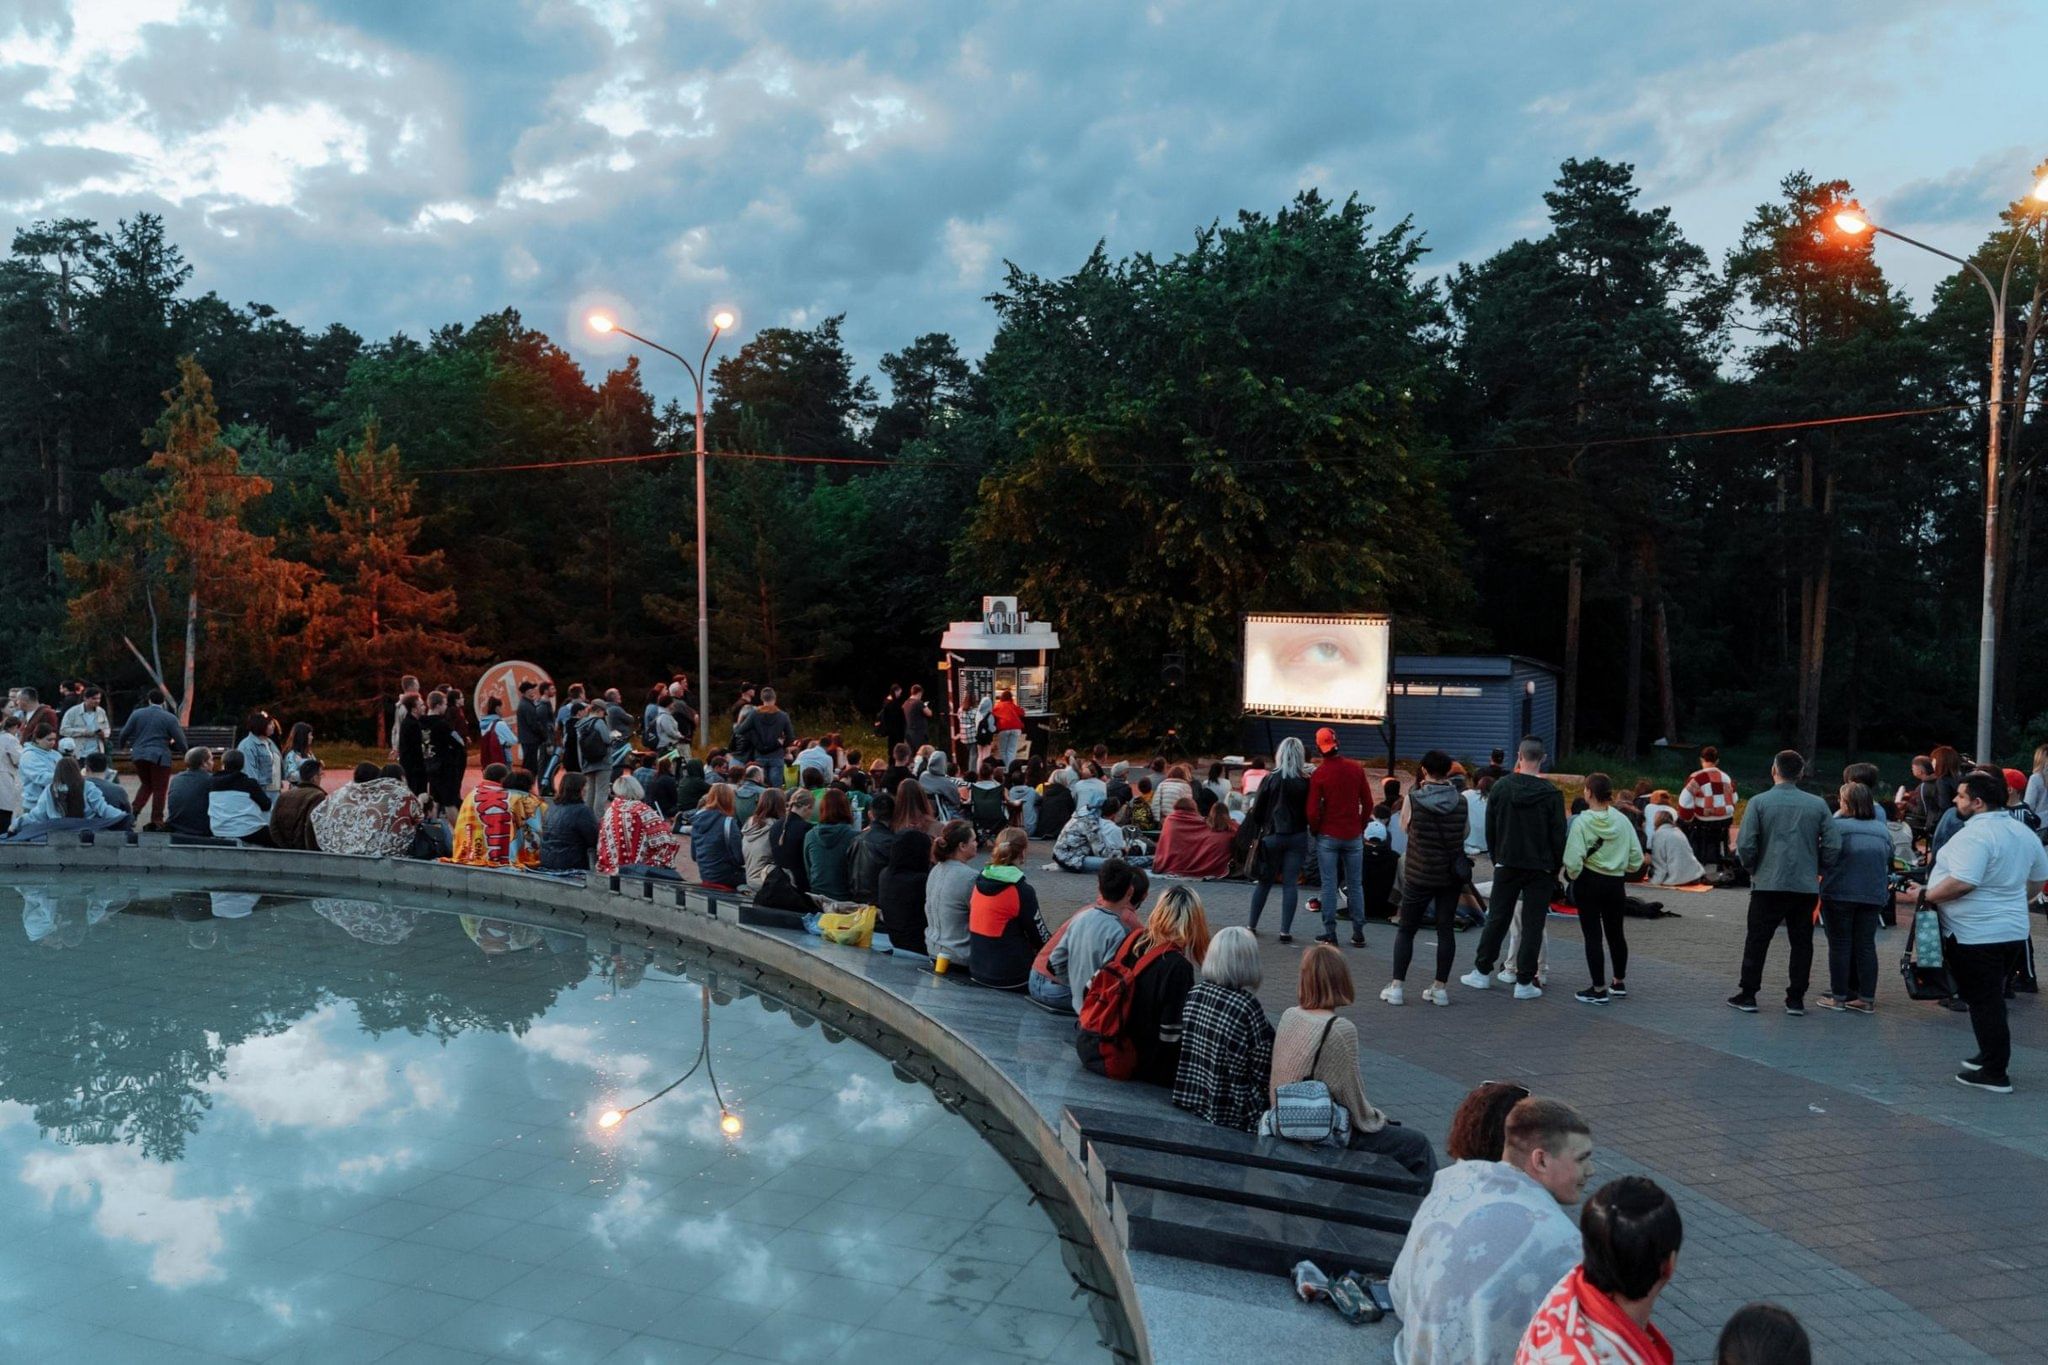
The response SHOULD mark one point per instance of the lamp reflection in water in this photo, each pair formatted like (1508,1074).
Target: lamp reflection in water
(728,1122)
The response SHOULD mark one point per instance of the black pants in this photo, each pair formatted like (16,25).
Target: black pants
(1852,948)
(1513,885)
(1603,903)
(1414,906)
(1980,971)
(1767,910)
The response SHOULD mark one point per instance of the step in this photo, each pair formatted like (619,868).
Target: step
(1262,1241)
(1182,1136)
(1309,1196)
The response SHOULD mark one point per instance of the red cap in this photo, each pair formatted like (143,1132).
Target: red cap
(2015,779)
(1326,740)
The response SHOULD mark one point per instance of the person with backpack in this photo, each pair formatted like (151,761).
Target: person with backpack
(595,739)
(1002,918)
(1315,1043)
(1130,1027)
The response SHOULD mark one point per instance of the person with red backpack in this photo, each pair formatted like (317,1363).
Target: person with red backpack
(1130,1022)
(1004,927)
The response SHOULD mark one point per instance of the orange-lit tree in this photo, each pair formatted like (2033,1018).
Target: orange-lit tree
(183,539)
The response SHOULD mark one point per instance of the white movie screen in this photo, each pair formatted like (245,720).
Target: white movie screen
(1320,667)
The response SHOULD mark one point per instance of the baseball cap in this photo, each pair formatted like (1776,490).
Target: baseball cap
(1326,739)
(2015,779)
(70,746)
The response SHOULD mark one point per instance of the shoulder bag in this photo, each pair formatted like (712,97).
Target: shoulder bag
(1305,1111)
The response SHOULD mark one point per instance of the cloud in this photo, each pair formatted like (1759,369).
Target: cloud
(317,1076)
(133,1199)
(401,166)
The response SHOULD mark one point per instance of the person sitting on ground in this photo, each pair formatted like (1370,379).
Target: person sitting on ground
(1190,846)
(1172,789)
(1091,789)
(1479,1128)
(1226,1041)
(1315,1043)
(569,839)
(1672,861)
(1217,788)
(237,806)
(483,824)
(757,833)
(1056,805)
(948,799)
(1763,1334)
(948,890)
(1143,816)
(374,816)
(1089,938)
(1180,928)
(1599,1313)
(1091,838)
(828,848)
(1003,922)
(291,818)
(632,838)
(115,795)
(900,895)
(988,804)
(715,842)
(1490,1239)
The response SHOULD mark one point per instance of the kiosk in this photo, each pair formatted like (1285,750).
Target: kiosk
(1004,649)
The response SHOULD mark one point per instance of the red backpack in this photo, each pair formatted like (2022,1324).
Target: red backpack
(1104,1040)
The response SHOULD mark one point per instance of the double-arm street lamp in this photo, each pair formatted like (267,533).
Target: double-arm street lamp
(1852,221)
(721,322)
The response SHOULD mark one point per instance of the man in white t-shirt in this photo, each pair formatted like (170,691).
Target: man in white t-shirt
(1982,880)
(1490,1241)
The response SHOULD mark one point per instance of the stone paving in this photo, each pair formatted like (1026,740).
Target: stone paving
(1828,1163)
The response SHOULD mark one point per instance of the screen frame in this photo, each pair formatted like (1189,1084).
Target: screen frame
(1356,715)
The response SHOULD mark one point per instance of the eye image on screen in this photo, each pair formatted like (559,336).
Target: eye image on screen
(1332,666)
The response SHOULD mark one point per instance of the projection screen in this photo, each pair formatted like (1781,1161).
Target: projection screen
(1316,667)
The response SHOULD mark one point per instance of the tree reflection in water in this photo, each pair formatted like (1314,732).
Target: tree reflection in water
(141,1077)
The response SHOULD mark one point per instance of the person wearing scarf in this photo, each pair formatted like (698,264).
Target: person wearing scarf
(1599,1313)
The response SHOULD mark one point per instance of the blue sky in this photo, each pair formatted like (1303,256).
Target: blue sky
(397,164)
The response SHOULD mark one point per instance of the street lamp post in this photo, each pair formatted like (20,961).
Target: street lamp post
(1852,221)
(721,322)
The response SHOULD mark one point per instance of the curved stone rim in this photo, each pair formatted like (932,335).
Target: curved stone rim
(963,1078)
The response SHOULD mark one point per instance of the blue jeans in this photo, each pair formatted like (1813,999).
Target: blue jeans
(1281,857)
(771,771)
(1006,746)
(1050,993)
(1350,854)
(1852,948)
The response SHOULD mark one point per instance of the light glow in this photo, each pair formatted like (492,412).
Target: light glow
(1852,222)
(599,322)
(728,1123)
(2041,191)
(610,1118)
(724,319)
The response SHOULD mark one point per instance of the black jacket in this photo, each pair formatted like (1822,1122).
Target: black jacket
(1436,838)
(1280,806)
(900,895)
(789,836)
(1055,808)
(1525,827)
(187,811)
(765,734)
(568,837)
(870,856)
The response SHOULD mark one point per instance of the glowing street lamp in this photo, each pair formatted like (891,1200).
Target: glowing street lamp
(728,1122)
(722,322)
(1852,221)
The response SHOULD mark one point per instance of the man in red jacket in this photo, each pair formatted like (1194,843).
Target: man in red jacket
(1338,803)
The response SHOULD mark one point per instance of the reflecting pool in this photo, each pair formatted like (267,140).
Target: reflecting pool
(270,1127)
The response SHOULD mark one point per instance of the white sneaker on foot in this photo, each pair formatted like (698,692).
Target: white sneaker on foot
(1529,992)
(1477,980)
(1506,976)
(1394,995)
(1437,995)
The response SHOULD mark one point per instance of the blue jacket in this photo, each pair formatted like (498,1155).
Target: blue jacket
(715,844)
(1861,874)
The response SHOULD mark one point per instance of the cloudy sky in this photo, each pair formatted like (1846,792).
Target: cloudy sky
(396,164)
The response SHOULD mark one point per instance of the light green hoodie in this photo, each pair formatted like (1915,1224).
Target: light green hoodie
(1602,841)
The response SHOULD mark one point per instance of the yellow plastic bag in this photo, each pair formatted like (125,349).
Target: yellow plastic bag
(855,928)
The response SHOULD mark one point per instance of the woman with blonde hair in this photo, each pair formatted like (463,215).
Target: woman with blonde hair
(1178,928)
(1315,1043)
(2037,784)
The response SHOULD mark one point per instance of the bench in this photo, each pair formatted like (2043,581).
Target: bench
(214,737)
(1179,1187)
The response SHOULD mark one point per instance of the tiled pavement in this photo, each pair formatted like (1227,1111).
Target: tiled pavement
(1829,1162)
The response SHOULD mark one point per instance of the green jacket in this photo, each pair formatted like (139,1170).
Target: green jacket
(1787,837)
(1602,841)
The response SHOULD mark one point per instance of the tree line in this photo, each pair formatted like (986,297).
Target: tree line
(1290,414)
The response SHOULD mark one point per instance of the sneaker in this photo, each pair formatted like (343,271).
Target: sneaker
(1617,990)
(1593,995)
(1477,980)
(1829,1002)
(1529,992)
(1286,937)
(1506,976)
(1973,1063)
(1984,1080)
(1745,1003)
(1394,995)
(1796,1008)
(1436,995)
(1330,939)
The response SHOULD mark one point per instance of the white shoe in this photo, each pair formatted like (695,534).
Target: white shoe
(1394,995)
(1477,980)
(1437,995)
(1530,992)
(1506,976)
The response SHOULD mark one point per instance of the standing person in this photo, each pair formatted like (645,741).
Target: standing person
(1490,1239)
(1788,836)
(86,725)
(2037,785)
(596,739)
(458,719)
(1854,894)
(1009,718)
(297,754)
(1983,879)
(150,735)
(1338,803)
(1433,874)
(10,773)
(1599,854)
(917,718)
(409,740)
(1599,1314)
(1315,1043)
(765,736)
(889,719)
(447,759)
(967,732)
(259,755)
(1279,820)
(33,713)
(1707,805)
(531,722)
(1003,923)
(497,737)
(408,686)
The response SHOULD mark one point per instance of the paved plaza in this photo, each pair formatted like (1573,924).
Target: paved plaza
(1829,1162)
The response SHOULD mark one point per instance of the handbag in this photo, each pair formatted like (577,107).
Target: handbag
(1304,1111)
(1927,937)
